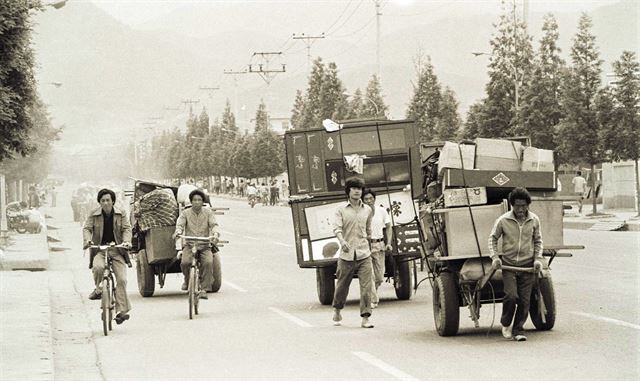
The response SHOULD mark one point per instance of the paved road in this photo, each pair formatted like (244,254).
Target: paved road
(266,321)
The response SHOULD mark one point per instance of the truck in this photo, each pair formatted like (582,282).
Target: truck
(319,161)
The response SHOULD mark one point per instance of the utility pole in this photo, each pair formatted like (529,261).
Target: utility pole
(210,90)
(308,41)
(263,69)
(235,74)
(190,102)
(378,21)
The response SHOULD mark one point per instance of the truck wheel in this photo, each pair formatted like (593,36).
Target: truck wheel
(325,281)
(404,280)
(446,304)
(146,278)
(549,298)
(217,274)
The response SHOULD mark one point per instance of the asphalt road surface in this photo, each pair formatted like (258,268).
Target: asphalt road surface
(266,321)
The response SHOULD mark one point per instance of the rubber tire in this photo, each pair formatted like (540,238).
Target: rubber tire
(446,304)
(325,284)
(549,298)
(106,307)
(192,291)
(145,275)
(196,299)
(217,273)
(404,286)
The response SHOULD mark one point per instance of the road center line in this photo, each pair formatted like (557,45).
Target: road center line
(281,244)
(291,318)
(608,320)
(395,372)
(234,286)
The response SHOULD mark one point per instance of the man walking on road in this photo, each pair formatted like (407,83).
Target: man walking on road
(352,227)
(104,225)
(579,188)
(380,220)
(521,247)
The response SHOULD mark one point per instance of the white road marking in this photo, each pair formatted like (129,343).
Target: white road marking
(291,318)
(247,237)
(395,372)
(234,286)
(282,244)
(608,320)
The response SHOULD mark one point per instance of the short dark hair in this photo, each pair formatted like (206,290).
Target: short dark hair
(519,194)
(579,173)
(197,192)
(353,182)
(104,191)
(368,191)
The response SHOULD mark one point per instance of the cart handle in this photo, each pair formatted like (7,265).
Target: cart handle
(519,269)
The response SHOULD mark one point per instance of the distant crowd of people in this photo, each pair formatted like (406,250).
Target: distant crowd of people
(268,193)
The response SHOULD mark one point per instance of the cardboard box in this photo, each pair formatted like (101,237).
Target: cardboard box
(450,156)
(550,214)
(542,181)
(457,197)
(537,159)
(496,154)
(159,244)
(461,241)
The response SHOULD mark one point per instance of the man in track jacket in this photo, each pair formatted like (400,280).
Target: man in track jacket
(521,247)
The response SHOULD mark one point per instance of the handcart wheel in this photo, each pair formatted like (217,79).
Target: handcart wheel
(446,304)
(548,297)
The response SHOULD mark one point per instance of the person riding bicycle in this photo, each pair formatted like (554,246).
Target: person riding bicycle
(252,192)
(198,222)
(105,225)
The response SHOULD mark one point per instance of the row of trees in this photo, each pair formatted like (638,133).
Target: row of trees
(219,149)
(562,107)
(26,131)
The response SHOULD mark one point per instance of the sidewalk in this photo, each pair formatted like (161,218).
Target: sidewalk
(573,220)
(26,349)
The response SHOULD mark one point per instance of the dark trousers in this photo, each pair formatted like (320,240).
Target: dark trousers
(345,272)
(517,292)
(206,266)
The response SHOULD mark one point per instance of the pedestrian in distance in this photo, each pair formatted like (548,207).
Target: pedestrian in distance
(521,247)
(105,225)
(352,227)
(273,193)
(381,234)
(198,221)
(264,194)
(34,199)
(579,188)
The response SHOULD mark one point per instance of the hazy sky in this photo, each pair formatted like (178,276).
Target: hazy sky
(137,12)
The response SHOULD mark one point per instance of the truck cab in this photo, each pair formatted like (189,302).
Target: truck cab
(319,162)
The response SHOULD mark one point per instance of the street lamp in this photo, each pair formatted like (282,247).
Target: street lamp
(516,83)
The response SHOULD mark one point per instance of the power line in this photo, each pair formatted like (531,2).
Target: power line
(357,30)
(340,16)
(348,18)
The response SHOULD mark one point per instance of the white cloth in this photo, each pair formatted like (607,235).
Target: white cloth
(183,192)
(379,221)
(354,163)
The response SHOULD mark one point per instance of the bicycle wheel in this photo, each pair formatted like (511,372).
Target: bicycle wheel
(112,304)
(197,293)
(106,307)
(192,291)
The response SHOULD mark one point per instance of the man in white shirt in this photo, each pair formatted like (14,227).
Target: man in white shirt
(579,187)
(379,221)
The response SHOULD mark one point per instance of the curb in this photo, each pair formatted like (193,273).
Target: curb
(586,225)
(27,252)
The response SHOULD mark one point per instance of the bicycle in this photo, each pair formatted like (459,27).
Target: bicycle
(108,286)
(193,284)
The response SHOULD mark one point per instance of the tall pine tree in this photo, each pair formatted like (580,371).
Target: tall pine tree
(298,111)
(579,131)
(541,110)
(373,95)
(424,108)
(448,124)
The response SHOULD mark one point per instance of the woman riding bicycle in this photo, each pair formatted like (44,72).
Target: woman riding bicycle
(198,222)
(104,225)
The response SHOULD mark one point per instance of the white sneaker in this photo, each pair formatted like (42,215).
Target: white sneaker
(366,323)
(506,333)
(521,337)
(374,305)
(337,317)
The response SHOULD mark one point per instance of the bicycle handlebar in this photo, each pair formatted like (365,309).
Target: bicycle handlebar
(105,247)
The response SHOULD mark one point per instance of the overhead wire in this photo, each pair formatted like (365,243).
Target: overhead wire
(357,30)
(339,17)
(347,19)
